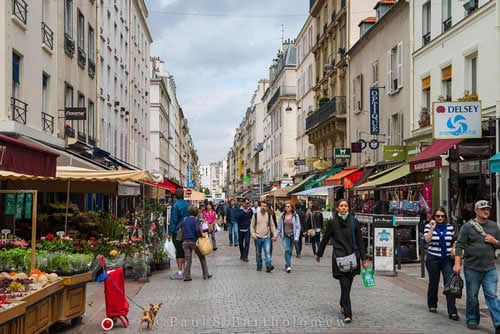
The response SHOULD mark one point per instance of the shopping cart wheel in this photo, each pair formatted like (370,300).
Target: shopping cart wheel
(107,324)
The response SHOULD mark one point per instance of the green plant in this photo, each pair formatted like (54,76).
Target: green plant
(59,263)
(111,227)
(323,100)
(80,262)
(468,97)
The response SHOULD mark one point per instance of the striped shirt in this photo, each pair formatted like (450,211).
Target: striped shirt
(433,246)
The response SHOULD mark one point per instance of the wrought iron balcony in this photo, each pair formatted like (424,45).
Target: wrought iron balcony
(91,140)
(20,10)
(19,110)
(47,122)
(281,91)
(447,24)
(82,57)
(82,136)
(47,36)
(426,39)
(335,106)
(91,68)
(69,44)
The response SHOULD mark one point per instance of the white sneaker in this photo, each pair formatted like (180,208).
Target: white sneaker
(289,269)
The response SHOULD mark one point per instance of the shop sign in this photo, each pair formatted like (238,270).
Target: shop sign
(75,113)
(374,111)
(394,152)
(342,153)
(416,166)
(457,120)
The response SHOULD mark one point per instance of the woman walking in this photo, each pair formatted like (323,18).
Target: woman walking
(211,219)
(345,233)
(438,235)
(315,222)
(191,231)
(289,232)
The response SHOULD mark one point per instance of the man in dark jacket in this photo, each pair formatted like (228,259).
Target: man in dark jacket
(243,217)
(302,217)
(177,214)
(231,223)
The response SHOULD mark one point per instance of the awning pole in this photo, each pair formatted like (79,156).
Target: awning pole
(67,209)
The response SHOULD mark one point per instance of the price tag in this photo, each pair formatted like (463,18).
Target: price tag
(5,231)
(60,233)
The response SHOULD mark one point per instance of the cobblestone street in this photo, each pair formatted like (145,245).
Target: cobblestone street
(238,299)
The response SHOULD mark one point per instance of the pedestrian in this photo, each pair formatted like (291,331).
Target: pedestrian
(177,214)
(231,223)
(345,232)
(315,223)
(438,235)
(289,232)
(211,219)
(224,206)
(255,207)
(308,218)
(477,242)
(303,228)
(243,217)
(263,233)
(192,230)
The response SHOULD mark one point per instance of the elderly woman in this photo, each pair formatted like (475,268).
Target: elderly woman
(289,232)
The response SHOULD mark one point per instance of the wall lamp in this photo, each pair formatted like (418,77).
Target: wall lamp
(288,109)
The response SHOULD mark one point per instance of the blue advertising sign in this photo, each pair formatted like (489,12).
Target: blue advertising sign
(374,111)
(189,178)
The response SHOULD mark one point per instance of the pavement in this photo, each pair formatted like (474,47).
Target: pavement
(238,299)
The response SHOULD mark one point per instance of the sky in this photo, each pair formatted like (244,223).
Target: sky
(217,51)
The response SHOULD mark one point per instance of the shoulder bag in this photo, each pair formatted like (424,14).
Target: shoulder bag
(204,244)
(350,262)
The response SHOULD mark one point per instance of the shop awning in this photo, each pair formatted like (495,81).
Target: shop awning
(495,163)
(26,158)
(431,156)
(345,178)
(392,176)
(319,191)
(299,186)
(166,184)
(323,177)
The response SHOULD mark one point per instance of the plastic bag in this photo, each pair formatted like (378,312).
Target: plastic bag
(368,278)
(170,249)
(454,286)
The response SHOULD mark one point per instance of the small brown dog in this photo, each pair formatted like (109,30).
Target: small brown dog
(148,316)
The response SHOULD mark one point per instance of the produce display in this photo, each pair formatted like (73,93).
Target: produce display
(15,286)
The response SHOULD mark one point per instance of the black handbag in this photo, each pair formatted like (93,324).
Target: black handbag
(454,286)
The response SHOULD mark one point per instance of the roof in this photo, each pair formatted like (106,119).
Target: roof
(369,19)
(384,3)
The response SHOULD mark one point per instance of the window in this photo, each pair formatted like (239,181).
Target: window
(90,119)
(81,123)
(91,43)
(473,75)
(395,68)
(309,77)
(396,129)
(426,23)
(45,87)
(375,72)
(446,83)
(68,100)
(446,15)
(357,98)
(424,116)
(81,30)
(68,17)
(16,68)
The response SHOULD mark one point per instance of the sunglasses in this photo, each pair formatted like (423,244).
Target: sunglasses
(440,216)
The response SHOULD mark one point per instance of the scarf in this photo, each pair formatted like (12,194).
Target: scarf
(441,230)
(344,216)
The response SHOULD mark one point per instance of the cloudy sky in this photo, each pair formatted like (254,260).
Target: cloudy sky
(217,50)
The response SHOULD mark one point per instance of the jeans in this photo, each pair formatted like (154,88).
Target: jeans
(288,244)
(298,245)
(315,242)
(233,233)
(434,267)
(214,242)
(473,281)
(189,246)
(345,293)
(244,243)
(261,243)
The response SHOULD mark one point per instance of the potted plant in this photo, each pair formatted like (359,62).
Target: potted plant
(425,117)
(323,100)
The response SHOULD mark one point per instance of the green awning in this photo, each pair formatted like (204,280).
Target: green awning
(299,186)
(332,171)
(392,176)
(495,163)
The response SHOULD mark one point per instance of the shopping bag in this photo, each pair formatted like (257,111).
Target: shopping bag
(204,244)
(368,278)
(170,249)
(454,286)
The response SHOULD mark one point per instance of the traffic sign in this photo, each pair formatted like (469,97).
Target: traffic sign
(188,192)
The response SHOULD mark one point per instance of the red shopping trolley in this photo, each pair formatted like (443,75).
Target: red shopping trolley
(117,305)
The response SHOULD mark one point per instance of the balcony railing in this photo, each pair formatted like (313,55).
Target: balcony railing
(47,123)
(69,44)
(82,57)
(91,140)
(281,91)
(335,106)
(47,36)
(426,39)
(82,136)
(20,10)
(447,24)
(19,110)
(91,68)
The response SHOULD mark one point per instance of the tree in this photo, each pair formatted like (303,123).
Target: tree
(207,191)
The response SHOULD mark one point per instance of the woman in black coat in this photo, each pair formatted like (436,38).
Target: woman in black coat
(340,230)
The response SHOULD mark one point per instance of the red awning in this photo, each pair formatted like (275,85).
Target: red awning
(26,158)
(431,156)
(166,184)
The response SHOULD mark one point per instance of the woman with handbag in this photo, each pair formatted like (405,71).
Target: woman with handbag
(192,230)
(289,232)
(439,235)
(211,219)
(348,253)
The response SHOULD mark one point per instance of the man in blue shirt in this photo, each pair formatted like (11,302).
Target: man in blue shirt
(177,214)
(231,223)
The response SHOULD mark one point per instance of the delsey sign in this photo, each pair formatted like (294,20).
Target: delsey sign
(374,111)
(457,119)
(75,113)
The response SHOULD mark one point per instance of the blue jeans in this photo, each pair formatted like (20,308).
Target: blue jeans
(233,232)
(315,241)
(266,244)
(244,243)
(288,244)
(473,281)
(435,266)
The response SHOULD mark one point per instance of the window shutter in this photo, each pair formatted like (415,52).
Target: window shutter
(389,73)
(354,88)
(399,68)
(401,128)
(360,98)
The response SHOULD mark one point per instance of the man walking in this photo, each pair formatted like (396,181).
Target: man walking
(477,242)
(177,214)
(231,223)
(243,217)
(302,217)
(264,233)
